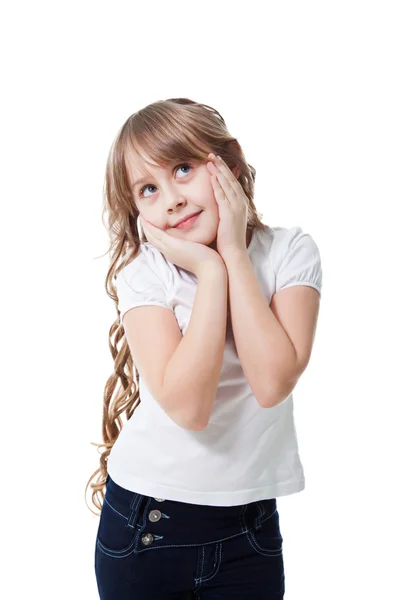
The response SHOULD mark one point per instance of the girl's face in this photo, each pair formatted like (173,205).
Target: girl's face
(171,193)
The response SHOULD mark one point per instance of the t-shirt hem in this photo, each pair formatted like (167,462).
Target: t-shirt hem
(217,498)
(308,283)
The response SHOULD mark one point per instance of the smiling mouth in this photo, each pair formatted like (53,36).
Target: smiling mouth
(188,222)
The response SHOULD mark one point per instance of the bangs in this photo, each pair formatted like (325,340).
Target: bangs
(165,142)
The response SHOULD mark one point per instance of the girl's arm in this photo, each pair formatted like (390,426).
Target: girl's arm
(192,374)
(273,351)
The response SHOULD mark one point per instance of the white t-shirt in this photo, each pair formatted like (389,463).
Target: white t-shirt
(246,453)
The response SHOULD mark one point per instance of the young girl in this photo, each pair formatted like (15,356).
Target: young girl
(225,317)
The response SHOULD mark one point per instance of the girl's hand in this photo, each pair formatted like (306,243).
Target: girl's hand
(232,207)
(191,256)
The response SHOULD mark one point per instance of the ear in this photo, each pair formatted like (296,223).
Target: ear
(236,169)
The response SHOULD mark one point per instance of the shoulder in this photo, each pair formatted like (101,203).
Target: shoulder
(295,257)
(286,240)
(275,241)
(283,236)
(148,264)
(140,281)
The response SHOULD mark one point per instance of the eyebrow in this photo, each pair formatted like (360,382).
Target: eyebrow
(145,177)
(139,181)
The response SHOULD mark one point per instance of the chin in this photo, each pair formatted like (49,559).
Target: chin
(209,240)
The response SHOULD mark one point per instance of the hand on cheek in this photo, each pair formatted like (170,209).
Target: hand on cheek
(232,208)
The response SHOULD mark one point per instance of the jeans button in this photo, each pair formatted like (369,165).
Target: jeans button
(154,516)
(147,539)
(159,499)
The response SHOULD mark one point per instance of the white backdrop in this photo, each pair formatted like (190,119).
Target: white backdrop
(311,91)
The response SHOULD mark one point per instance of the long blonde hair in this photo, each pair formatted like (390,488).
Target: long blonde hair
(166,130)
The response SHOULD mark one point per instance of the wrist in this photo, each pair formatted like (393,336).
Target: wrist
(214,268)
(233,257)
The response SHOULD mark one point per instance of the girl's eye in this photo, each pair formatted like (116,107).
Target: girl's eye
(141,195)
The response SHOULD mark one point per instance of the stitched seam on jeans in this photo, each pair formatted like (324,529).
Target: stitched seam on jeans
(112,508)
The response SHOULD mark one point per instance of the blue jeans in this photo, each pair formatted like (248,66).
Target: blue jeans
(154,549)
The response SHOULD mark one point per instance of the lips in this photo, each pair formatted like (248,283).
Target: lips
(186,218)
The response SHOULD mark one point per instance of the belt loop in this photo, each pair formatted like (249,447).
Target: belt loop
(134,508)
(261,512)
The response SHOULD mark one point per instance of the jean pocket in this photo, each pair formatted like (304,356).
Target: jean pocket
(117,532)
(267,540)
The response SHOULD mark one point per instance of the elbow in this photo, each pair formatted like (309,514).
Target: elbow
(197,424)
(189,423)
(194,417)
(198,419)
(272,401)
(278,394)
(192,425)
(182,416)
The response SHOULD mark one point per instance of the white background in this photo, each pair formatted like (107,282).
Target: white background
(311,91)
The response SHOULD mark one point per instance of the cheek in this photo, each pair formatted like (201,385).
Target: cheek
(212,218)
(152,217)
(209,196)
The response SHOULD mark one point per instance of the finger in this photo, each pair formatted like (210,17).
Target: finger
(223,168)
(152,229)
(149,232)
(219,193)
(222,183)
(160,239)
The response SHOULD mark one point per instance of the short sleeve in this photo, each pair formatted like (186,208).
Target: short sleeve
(138,284)
(300,261)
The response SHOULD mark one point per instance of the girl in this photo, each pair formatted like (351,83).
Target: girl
(225,317)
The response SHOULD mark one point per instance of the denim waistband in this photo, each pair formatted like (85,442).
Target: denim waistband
(171,523)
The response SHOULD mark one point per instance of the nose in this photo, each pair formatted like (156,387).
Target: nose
(173,199)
